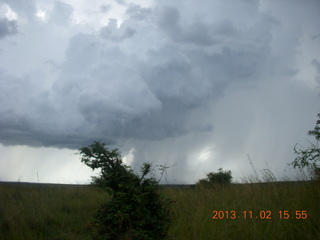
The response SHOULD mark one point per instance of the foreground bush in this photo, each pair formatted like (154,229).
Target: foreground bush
(310,157)
(136,210)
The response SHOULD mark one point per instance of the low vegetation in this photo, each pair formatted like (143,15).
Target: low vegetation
(134,206)
(66,212)
(42,211)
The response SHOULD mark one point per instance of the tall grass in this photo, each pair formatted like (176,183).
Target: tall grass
(44,212)
(65,212)
(192,211)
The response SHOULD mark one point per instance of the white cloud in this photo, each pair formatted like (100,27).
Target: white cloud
(8,13)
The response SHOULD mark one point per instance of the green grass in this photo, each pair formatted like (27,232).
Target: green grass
(192,212)
(52,212)
(65,212)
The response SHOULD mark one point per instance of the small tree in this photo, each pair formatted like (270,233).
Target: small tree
(136,210)
(310,157)
(220,177)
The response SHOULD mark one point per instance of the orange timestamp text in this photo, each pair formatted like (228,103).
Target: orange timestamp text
(263,214)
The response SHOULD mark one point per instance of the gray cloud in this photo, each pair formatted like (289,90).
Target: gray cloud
(121,2)
(25,9)
(138,12)
(61,13)
(172,81)
(112,32)
(105,8)
(316,63)
(196,32)
(107,87)
(315,37)
(8,27)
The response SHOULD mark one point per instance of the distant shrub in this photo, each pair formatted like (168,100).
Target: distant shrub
(136,210)
(220,177)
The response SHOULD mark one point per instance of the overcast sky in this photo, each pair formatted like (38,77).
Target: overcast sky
(195,84)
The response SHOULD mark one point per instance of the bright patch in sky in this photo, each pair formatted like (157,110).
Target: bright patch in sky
(128,159)
(41,14)
(205,155)
(7,12)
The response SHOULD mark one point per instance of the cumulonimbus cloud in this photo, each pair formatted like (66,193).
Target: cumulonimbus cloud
(143,78)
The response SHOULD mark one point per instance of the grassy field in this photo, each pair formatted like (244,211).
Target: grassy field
(55,212)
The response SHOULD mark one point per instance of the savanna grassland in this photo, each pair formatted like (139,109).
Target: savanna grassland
(37,211)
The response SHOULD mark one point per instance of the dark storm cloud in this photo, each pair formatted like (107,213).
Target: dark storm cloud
(145,78)
(8,27)
(148,90)
(28,117)
(119,86)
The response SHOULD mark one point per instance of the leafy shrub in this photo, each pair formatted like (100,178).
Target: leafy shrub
(220,177)
(136,210)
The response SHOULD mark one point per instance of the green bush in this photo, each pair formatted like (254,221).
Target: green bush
(136,210)
(309,158)
(220,177)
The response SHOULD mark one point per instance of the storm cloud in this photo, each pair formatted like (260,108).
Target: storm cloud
(108,87)
(194,83)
